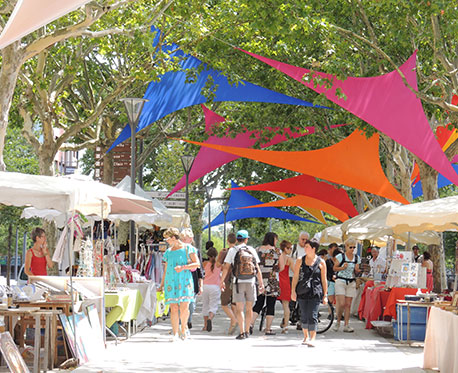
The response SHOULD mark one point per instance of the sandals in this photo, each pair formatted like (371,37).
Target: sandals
(270,332)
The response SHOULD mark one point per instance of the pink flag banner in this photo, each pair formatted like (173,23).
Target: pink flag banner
(384,102)
(208,159)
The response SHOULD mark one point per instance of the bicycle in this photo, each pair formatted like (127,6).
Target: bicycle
(326,316)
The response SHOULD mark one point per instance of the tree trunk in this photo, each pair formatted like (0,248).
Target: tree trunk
(430,192)
(108,169)
(11,64)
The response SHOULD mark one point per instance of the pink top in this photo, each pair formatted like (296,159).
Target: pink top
(212,278)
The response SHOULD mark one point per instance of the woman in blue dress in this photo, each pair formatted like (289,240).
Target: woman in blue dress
(179,260)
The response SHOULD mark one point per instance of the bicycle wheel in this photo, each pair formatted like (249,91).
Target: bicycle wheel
(263,317)
(325,317)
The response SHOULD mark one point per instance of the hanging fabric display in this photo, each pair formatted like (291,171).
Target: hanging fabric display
(86,264)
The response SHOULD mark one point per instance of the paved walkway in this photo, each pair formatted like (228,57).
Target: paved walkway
(151,351)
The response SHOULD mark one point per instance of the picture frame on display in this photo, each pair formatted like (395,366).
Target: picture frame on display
(455,299)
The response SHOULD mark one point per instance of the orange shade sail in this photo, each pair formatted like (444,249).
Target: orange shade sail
(306,202)
(316,213)
(353,162)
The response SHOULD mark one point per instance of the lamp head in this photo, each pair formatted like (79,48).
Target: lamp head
(187,162)
(134,107)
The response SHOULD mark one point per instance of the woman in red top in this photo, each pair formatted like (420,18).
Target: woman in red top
(285,262)
(37,258)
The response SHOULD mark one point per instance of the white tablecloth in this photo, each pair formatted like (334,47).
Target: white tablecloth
(441,342)
(148,292)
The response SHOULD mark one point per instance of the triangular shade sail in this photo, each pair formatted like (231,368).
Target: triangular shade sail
(208,160)
(341,163)
(303,201)
(372,225)
(417,189)
(316,213)
(174,91)
(308,186)
(384,102)
(239,198)
(30,15)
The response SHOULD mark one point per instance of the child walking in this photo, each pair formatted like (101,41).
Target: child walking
(212,292)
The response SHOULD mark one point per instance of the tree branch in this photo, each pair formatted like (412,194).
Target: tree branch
(27,129)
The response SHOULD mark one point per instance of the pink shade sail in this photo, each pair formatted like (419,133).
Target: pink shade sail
(30,15)
(304,201)
(308,186)
(385,103)
(208,160)
(341,163)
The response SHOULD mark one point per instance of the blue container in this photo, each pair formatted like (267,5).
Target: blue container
(417,332)
(418,315)
(418,318)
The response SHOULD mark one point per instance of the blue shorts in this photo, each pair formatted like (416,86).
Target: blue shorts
(331,288)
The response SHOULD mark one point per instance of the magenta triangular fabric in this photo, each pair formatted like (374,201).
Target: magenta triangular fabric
(385,103)
(306,185)
(208,159)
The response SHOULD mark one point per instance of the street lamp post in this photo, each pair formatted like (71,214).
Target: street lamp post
(187,162)
(134,107)
(225,211)
(209,191)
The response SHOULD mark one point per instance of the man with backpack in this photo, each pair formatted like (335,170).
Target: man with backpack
(244,262)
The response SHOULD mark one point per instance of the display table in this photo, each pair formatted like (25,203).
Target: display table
(441,342)
(124,303)
(23,316)
(148,293)
(395,295)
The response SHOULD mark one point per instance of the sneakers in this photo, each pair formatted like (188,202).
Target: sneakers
(348,329)
(175,338)
(209,325)
(240,336)
(336,327)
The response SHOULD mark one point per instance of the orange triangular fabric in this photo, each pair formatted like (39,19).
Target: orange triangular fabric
(306,202)
(316,213)
(353,162)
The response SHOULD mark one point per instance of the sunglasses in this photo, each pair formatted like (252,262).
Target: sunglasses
(352,247)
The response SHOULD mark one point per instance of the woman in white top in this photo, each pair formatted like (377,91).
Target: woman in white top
(346,266)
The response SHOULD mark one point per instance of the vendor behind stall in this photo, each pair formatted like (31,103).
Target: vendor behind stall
(38,258)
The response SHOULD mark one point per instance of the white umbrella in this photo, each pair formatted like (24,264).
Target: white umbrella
(331,234)
(66,194)
(372,225)
(437,215)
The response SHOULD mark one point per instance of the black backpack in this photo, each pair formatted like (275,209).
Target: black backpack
(355,261)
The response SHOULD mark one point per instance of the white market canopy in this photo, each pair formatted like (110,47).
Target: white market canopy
(30,15)
(436,215)
(331,234)
(66,194)
(372,225)
(163,217)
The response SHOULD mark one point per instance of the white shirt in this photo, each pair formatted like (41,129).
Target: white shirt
(231,256)
(300,252)
(377,266)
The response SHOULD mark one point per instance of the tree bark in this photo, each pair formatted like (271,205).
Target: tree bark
(11,64)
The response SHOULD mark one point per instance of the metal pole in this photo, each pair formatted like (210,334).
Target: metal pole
(224,230)
(187,192)
(24,246)
(209,221)
(16,254)
(132,188)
